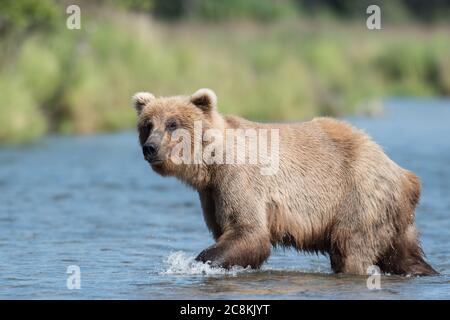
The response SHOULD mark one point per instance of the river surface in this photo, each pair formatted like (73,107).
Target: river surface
(92,202)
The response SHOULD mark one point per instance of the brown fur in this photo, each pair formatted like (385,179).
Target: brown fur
(336,192)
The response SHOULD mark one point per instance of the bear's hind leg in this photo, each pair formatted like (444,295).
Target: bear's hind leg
(406,256)
(352,252)
(355,263)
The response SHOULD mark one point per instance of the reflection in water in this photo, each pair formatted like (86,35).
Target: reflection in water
(93,202)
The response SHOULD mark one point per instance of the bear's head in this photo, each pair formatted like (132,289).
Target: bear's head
(159,121)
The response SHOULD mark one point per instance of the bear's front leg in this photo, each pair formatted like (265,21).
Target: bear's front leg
(249,248)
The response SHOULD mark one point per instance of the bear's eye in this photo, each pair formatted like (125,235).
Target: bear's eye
(147,127)
(171,125)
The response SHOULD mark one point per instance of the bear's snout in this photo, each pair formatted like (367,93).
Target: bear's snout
(150,151)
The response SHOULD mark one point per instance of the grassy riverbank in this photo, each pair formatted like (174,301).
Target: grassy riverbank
(80,81)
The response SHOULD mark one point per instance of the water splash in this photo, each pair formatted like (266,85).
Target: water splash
(181,264)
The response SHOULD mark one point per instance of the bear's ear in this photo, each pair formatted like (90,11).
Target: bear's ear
(140,99)
(205,99)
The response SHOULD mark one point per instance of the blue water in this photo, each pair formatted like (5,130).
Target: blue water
(94,203)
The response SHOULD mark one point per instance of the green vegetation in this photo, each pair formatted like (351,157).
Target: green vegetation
(80,81)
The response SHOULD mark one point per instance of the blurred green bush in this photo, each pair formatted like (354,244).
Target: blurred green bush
(80,81)
(27,15)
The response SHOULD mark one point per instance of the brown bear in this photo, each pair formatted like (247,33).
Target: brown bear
(334,190)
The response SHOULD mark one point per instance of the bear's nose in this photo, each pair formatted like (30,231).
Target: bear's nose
(150,150)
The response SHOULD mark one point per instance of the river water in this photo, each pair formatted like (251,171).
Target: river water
(94,203)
